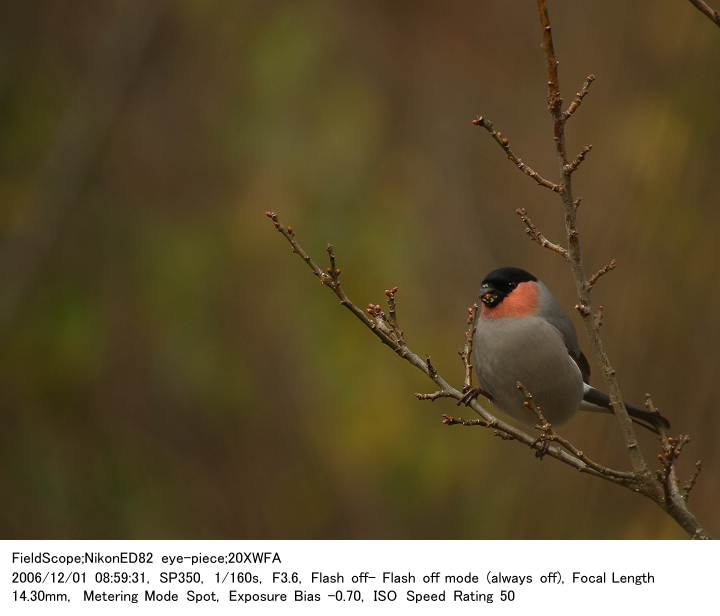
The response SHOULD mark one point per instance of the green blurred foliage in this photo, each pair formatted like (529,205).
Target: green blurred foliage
(170,370)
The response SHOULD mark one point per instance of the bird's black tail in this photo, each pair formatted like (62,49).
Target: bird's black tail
(595,400)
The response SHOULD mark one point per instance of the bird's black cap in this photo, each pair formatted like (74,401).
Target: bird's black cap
(501,277)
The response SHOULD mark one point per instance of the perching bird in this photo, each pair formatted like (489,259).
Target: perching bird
(523,335)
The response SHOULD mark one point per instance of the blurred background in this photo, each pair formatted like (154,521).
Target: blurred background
(169,369)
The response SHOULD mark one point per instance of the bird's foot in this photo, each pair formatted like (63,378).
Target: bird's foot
(471,394)
(541,446)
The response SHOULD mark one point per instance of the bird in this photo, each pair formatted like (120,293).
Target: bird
(522,335)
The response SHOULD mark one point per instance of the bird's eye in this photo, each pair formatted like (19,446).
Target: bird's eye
(511,285)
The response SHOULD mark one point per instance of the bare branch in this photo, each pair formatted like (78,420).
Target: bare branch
(553,99)
(333,271)
(650,406)
(672,448)
(579,96)
(584,305)
(505,145)
(530,404)
(690,484)
(466,352)
(548,434)
(608,267)
(333,283)
(674,497)
(392,313)
(572,166)
(453,421)
(434,396)
(707,10)
(289,234)
(543,425)
(374,319)
(535,235)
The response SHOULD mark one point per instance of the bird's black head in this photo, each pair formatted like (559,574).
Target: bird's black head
(500,283)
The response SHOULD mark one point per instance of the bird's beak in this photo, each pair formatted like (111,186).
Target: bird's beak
(489,296)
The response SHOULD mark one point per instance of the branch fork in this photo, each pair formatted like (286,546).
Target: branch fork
(504,143)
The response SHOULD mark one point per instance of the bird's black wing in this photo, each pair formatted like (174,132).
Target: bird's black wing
(562,323)
(648,419)
(583,364)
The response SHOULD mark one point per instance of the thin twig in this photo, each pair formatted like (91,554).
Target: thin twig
(334,285)
(440,393)
(548,434)
(670,452)
(675,499)
(453,421)
(392,313)
(535,235)
(504,143)
(572,166)
(530,404)
(690,484)
(651,408)
(466,352)
(333,271)
(543,425)
(579,96)
(608,267)
(707,10)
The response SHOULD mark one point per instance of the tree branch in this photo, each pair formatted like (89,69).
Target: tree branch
(572,166)
(690,484)
(554,102)
(459,421)
(376,321)
(504,143)
(608,267)
(466,352)
(434,396)
(579,96)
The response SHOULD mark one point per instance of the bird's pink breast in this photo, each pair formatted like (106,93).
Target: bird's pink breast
(522,302)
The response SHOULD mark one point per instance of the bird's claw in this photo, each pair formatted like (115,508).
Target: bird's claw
(541,447)
(471,394)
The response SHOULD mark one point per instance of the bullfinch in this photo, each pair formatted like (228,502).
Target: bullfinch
(523,335)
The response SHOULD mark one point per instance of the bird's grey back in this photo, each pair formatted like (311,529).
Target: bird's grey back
(552,311)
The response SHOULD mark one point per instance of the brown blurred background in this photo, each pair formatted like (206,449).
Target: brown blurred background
(168,369)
